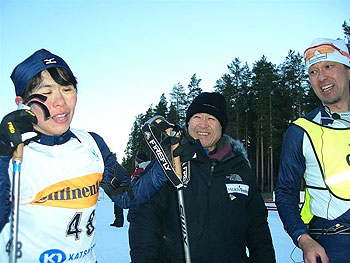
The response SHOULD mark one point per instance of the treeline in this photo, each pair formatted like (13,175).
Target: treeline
(262,102)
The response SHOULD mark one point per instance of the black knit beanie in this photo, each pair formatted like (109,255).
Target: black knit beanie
(141,157)
(211,103)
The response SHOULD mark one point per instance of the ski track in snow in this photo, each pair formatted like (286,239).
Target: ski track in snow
(112,245)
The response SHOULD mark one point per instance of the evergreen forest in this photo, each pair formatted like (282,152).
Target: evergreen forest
(262,101)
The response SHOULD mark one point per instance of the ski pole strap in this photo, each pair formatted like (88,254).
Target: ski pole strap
(161,124)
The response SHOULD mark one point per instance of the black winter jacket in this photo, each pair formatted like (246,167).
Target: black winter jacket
(225,212)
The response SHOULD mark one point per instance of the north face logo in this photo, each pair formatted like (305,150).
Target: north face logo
(48,61)
(234,177)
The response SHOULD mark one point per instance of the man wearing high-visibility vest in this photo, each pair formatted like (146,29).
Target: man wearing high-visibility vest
(316,149)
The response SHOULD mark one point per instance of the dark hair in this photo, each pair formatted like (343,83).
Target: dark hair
(60,75)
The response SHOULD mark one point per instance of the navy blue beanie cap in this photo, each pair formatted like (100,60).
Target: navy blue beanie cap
(37,62)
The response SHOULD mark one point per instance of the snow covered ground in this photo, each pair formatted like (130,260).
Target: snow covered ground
(113,246)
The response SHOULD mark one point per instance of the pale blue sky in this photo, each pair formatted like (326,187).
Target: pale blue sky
(125,54)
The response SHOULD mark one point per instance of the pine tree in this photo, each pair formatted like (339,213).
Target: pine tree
(162,108)
(173,115)
(264,84)
(136,141)
(135,137)
(193,89)
(293,85)
(235,88)
(346,29)
(178,101)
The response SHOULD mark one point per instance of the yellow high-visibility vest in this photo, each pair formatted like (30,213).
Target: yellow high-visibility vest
(332,150)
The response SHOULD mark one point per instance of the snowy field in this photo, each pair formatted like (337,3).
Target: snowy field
(113,245)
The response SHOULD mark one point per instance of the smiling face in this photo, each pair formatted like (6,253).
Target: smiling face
(61,102)
(206,128)
(330,82)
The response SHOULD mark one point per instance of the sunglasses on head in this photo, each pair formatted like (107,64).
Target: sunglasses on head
(323,49)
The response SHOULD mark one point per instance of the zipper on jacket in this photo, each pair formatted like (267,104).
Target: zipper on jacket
(212,167)
(211,176)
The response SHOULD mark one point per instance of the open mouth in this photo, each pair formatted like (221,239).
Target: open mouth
(327,87)
(60,117)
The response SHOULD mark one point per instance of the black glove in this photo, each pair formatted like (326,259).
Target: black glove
(12,127)
(188,149)
(114,188)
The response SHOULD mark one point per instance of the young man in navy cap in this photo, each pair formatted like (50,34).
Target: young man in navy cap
(316,150)
(225,211)
(62,168)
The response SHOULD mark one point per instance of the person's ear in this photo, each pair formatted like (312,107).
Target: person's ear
(18,99)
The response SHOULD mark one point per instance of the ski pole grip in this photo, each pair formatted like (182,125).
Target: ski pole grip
(18,153)
(176,161)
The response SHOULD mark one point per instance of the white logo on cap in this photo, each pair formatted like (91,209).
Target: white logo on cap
(49,61)
(209,105)
(317,57)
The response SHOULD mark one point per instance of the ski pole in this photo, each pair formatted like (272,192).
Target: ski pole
(17,161)
(17,158)
(172,170)
(180,196)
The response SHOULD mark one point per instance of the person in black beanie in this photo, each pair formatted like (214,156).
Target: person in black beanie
(211,103)
(141,157)
(141,162)
(226,214)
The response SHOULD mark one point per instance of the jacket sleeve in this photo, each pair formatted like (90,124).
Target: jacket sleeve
(259,240)
(290,176)
(5,185)
(145,234)
(142,189)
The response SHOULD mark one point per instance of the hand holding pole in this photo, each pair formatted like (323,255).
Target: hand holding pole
(17,161)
